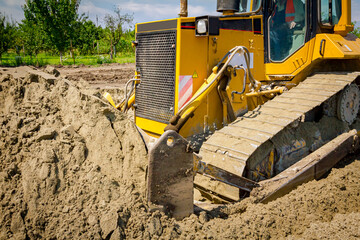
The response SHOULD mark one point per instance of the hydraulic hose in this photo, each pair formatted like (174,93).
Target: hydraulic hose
(187,111)
(124,102)
(231,55)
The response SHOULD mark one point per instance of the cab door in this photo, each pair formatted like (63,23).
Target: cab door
(288,37)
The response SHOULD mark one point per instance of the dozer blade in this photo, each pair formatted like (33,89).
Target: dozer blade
(171,171)
(170,179)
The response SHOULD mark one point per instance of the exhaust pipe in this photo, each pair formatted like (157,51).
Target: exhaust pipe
(228,6)
(183,8)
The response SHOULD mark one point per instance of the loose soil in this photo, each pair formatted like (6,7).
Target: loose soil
(72,167)
(106,76)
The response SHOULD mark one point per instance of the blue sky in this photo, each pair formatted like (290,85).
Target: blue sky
(144,10)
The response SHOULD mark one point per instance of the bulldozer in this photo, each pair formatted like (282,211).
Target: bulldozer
(265,94)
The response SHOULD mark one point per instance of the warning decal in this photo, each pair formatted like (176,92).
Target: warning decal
(185,89)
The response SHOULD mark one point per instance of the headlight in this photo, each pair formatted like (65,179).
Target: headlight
(201,26)
(207,26)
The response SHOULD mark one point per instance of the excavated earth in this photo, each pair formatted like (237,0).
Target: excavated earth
(72,167)
(106,76)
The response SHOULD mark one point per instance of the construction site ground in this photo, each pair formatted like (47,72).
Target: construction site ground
(72,167)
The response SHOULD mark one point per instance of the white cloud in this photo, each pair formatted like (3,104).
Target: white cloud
(89,7)
(95,13)
(156,11)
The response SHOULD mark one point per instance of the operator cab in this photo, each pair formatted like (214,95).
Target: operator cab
(288,24)
(287,28)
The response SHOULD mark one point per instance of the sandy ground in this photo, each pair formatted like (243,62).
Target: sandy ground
(71,167)
(107,76)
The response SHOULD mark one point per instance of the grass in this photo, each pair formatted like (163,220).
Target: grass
(11,59)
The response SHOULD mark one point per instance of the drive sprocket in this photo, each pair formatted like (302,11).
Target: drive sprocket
(348,103)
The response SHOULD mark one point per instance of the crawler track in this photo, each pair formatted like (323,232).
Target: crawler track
(239,146)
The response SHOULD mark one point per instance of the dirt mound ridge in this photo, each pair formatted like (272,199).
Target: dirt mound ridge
(70,165)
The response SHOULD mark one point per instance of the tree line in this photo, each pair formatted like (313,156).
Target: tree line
(55,26)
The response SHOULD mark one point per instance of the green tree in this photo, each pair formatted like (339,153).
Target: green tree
(7,33)
(32,37)
(125,43)
(57,18)
(116,27)
(88,36)
(16,40)
(356,30)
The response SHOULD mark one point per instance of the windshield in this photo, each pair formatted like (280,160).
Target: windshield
(249,5)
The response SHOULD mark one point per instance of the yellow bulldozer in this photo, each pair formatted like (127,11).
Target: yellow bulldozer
(265,94)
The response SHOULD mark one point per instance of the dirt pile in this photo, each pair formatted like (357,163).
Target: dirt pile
(70,165)
(73,168)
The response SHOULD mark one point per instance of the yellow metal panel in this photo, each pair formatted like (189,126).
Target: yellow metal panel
(336,47)
(238,102)
(195,125)
(177,67)
(297,61)
(303,71)
(344,25)
(153,128)
(200,55)
(188,19)
(191,58)
(231,38)
(211,110)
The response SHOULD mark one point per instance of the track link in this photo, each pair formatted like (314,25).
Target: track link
(235,147)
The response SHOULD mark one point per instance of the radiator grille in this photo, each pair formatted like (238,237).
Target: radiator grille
(155,58)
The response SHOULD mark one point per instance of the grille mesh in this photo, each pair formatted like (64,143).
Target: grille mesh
(155,58)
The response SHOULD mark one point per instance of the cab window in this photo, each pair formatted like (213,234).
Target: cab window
(256,5)
(287,28)
(249,5)
(330,12)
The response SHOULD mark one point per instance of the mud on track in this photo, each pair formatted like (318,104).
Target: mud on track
(73,168)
